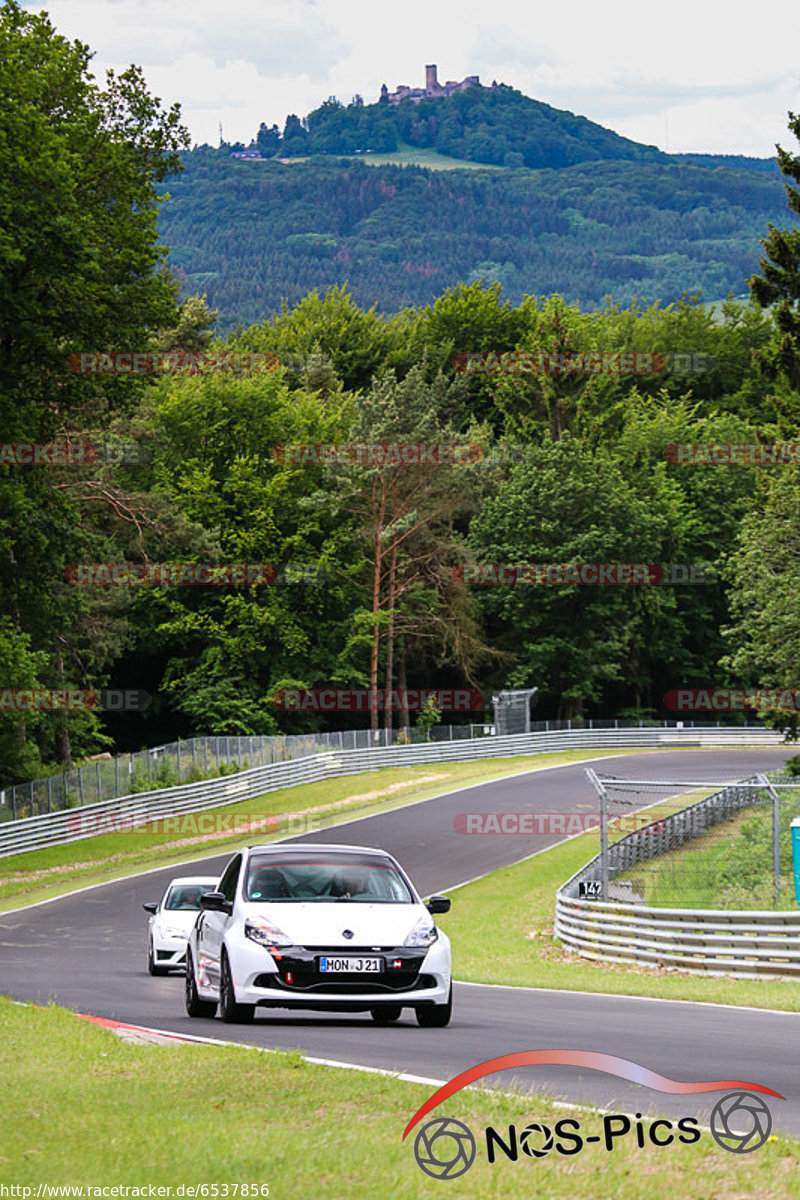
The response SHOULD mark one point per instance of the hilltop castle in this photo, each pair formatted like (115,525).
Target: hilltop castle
(433,90)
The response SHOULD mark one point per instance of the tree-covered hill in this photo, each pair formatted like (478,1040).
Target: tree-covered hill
(572,464)
(488,125)
(250,234)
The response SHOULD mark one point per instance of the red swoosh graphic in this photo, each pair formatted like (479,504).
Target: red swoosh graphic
(595,1061)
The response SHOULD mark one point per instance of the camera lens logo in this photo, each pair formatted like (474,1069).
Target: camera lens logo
(740,1122)
(444,1148)
(528,1139)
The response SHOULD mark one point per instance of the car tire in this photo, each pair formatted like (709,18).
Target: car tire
(385,1014)
(436,1016)
(152,967)
(196,1007)
(231,1012)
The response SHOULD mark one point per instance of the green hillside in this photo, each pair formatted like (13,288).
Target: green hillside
(250,234)
(496,125)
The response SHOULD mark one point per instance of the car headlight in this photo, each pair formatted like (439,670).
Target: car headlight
(424,933)
(168,931)
(260,930)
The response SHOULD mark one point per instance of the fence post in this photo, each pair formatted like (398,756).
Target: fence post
(601,792)
(179,760)
(49,793)
(776,838)
(99,785)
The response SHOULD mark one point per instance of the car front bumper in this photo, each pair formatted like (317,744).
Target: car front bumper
(169,952)
(292,979)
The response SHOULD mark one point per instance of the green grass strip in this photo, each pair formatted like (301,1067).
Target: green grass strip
(85,1108)
(502,932)
(42,874)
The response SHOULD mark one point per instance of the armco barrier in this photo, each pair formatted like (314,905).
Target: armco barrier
(699,941)
(57,828)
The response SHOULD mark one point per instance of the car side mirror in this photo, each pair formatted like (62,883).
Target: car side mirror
(151,908)
(437,904)
(215,902)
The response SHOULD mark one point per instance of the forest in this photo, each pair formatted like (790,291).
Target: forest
(363,581)
(251,234)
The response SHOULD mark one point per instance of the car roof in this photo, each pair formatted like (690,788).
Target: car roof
(193,879)
(327,848)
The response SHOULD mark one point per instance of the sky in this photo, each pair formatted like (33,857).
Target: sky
(697,75)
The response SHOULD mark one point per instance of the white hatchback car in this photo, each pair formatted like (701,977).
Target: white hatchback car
(331,928)
(171,920)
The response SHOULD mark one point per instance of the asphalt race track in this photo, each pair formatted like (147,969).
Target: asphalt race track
(87,951)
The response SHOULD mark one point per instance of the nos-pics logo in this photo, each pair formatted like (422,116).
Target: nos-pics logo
(445,1148)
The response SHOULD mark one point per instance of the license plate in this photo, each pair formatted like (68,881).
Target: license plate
(351,965)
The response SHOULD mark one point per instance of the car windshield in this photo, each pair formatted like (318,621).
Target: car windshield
(325,878)
(187,896)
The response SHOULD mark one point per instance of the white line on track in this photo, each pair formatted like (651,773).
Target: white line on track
(520,987)
(339,1065)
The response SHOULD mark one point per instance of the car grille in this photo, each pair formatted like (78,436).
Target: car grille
(298,971)
(345,986)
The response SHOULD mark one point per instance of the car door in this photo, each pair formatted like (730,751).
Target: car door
(211,925)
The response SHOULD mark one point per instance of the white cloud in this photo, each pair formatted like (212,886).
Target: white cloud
(692,72)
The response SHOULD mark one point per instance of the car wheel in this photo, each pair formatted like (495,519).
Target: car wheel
(437,1015)
(386,1014)
(151,961)
(231,1012)
(195,1007)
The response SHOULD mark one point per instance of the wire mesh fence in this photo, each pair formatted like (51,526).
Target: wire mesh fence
(195,759)
(700,846)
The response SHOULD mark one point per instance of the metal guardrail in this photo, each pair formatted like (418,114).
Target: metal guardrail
(201,758)
(195,759)
(701,941)
(71,825)
(743,942)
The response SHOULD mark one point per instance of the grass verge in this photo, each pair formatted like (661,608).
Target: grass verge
(94,1110)
(501,927)
(729,867)
(41,874)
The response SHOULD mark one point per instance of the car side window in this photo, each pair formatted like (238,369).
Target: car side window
(227,885)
